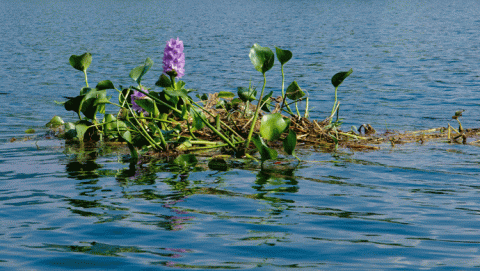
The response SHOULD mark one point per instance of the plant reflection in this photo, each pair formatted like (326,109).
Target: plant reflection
(170,183)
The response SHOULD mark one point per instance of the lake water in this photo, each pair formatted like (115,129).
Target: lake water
(406,207)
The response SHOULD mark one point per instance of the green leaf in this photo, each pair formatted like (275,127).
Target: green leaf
(186,160)
(246,94)
(179,85)
(55,122)
(127,136)
(176,93)
(262,58)
(110,123)
(163,81)
(272,126)
(283,55)
(338,78)
(88,106)
(204,97)
(225,94)
(85,90)
(290,142)
(69,126)
(30,131)
(265,152)
(294,92)
(81,129)
(198,119)
(185,145)
(137,73)
(102,101)
(81,62)
(149,105)
(105,84)
(70,131)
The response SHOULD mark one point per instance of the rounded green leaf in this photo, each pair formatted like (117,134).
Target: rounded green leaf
(110,122)
(198,119)
(88,106)
(262,58)
(69,126)
(70,131)
(137,73)
(81,129)
(105,84)
(294,92)
(246,94)
(55,122)
(272,126)
(73,104)
(283,55)
(163,81)
(81,62)
(225,94)
(149,105)
(338,78)
(127,136)
(265,152)
(290,142)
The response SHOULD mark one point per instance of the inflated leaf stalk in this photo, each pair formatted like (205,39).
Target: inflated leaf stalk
(262,59)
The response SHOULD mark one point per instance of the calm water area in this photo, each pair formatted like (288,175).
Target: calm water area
(408,207)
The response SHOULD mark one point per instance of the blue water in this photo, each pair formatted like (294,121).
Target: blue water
(406,207)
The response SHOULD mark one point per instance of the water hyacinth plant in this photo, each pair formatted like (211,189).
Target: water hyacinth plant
(167,119)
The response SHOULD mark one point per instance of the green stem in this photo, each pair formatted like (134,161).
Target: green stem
(172,79)
(306,109)
(190,130)
(158,100)
(255,117)
(221,122)
(283,92)
(335,103)
(145,133)
(222,136)
(133,152)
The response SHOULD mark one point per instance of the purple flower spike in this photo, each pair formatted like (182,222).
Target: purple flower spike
(136,96)
(174,58)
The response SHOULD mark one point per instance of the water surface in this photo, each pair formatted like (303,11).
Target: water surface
(405,207)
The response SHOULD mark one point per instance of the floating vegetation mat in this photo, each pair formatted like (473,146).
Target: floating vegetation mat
(170,121)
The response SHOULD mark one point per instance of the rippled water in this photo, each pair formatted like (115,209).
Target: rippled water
(405,207)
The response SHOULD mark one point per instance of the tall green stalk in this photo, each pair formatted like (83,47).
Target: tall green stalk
(283,92)
(255,117)
(334,103)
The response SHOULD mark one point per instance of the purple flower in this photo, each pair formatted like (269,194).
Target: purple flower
(136,96)
(174,58)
